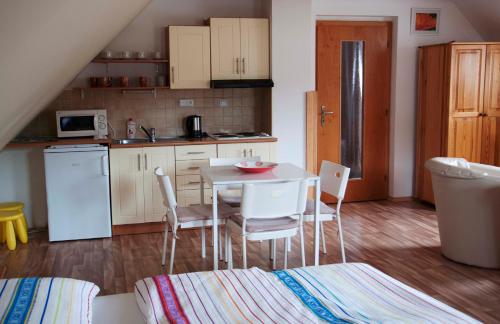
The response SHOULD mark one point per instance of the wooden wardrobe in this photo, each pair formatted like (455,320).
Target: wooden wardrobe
(458,106)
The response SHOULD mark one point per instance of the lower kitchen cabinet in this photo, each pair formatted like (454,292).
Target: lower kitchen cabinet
(266,151)
(189,160)
(135,192)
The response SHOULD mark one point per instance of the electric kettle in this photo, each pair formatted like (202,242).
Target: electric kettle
(193,126)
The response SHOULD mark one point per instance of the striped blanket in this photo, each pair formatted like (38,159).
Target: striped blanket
(46,300)
(340,293)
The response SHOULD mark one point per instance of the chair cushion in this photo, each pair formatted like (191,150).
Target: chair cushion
(266,225)
(323,208)
(202,212)
(231,197)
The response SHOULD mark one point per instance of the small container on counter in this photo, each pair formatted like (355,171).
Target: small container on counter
(131,128)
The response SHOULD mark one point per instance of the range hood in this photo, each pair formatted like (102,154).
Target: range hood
(256,83)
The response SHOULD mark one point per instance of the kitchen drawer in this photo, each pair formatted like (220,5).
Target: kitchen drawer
(186,198)
(195,152)
(189,167)
(189,182)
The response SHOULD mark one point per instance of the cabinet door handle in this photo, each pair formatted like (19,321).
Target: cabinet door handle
(195,152)
(237,65)
(245,153)
(194,182)
(145,161)
(172,74)
(193,168)
(251,152)
(139,162)
(104,165)
(243,69)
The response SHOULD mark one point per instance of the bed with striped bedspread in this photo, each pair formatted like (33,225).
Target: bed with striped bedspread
(46,300)
(339,293)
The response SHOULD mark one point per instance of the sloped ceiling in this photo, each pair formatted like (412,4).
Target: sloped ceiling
(43,46)
(484,15)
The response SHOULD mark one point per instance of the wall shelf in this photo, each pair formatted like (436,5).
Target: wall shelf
(143,61)
(124,90)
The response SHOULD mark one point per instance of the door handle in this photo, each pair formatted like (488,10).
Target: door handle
(145,161)
(237,65)
(173,76)
(245,153)
(104,165)
(323,115)
(251,152)
(139,162)
(243,69)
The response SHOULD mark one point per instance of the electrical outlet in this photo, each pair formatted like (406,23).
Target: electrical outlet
(186,102)
(223,103)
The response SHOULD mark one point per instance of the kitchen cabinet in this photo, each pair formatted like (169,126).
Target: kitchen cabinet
(135,192)
(266,151)
(239,48)
(458,106)
(189,56)
(189,160)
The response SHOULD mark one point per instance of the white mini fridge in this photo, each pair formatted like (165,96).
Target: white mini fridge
(78,199)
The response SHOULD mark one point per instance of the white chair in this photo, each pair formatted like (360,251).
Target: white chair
(231,195)
(198,216)
(334,178)
(268,211)
(467,197)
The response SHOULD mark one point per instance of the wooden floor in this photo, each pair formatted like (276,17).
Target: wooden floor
(401,239)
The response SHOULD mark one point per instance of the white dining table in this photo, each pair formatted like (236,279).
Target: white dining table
(221,177)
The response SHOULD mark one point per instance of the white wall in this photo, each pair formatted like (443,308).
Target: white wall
(290,66)
(484,16)
(22,177)
(293,75)
(44,45)
(147,31)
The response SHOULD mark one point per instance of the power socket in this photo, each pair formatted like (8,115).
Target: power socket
(186,102)
(223,103)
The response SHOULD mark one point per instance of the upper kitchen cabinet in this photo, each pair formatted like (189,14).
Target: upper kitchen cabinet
(189,56)
(240,48)
(225,48)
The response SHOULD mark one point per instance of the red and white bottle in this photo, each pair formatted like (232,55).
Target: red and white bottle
(131,128)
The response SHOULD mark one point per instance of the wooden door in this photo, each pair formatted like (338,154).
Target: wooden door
(254,48)
(189,57)
(225,48)
(164,157)
(490,153)
(467,73)
(353,78)
(127,185)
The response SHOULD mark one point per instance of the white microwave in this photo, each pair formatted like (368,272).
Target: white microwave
(79,123)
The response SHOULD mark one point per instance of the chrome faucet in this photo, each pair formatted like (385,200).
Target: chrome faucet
(151,133)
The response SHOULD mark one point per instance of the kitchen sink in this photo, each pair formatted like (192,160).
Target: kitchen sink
(131,141)
(144,140)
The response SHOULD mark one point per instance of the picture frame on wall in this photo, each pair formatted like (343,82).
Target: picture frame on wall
(425,21)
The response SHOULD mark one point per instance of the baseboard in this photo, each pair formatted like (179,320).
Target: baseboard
(143,228)
(138,228)
(400,199)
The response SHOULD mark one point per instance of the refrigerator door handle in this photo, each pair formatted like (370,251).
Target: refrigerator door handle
(104,165)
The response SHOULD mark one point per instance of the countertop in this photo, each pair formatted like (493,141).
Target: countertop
(49,141)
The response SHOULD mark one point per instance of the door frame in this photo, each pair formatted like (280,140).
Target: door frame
(312,107)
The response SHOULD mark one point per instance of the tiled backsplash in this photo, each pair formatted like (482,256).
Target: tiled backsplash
(244,112)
